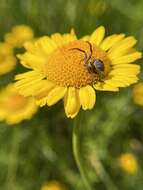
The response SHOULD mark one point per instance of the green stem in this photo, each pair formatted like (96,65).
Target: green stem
(77,153)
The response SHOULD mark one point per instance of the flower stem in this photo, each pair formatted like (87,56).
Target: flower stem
(77,153)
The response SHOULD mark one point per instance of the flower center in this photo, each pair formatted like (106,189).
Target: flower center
(2,59)
(15,102)
(77,64)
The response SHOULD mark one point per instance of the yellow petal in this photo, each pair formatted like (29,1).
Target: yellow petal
(111,41)
(122,47)
(85,38)
(122,81)
(42,94)
(58,39)
(105,87)
(71,102)
(29,75)
(29,83)
(28,78)
(47,86)
(69,37)
(45,45)
(29,46)
(29,60)
(41,46)
(62,39)
(127,72)
(127,58)
(125,66)
(55,95)
(87,97)
(98,35)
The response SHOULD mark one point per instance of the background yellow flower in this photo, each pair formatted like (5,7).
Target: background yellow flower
(138,93)
(19,35)
(15,39)
(53,185)
(128,163)
(14,107)
(7,58)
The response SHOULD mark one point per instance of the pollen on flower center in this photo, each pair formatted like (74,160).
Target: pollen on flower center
(66,66)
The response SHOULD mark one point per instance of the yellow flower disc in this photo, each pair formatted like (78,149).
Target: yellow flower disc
(15,102)
(70,62)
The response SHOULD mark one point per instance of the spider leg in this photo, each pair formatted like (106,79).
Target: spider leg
(91,51)
(78,50)
(85,54)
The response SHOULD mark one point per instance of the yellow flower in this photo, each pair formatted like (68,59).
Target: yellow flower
(7,59)
(14,107)
(19,35)
(53,185)
(128,163)
(138,94)
(65,67)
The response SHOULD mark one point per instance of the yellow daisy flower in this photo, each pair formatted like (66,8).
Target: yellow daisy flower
(138,93)
(128,163)
(53,185)
(65,67)
(19,35)
(7,59)
(14,107)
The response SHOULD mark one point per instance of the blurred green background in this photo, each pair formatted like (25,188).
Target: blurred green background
(40,150)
